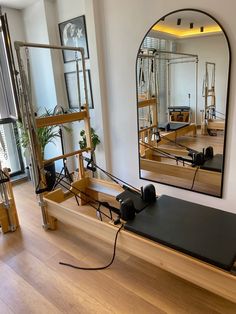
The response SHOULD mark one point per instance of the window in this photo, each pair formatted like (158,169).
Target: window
(10,155)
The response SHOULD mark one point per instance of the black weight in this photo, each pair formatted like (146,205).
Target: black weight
(149,193)
(127,209)
(209,153)
(198,159)
(167,128)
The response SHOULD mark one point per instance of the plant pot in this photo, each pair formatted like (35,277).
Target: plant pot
(50,175)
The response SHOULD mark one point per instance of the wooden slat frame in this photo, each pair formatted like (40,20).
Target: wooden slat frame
(60,119)
(147,102)
(216,124)
(76,152)
(203,176)
(173,135)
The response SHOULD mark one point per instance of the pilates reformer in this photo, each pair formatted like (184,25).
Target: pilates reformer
(188,167)
(212,120)
(149,96)
(186,240)
(194,170)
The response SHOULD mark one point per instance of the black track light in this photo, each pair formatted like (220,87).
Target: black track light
(191,25)
(178,21)
(163,19)
(201,29)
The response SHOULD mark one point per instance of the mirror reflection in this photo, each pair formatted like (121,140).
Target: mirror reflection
(182,88)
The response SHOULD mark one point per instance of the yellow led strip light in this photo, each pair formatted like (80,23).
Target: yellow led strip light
(184,32)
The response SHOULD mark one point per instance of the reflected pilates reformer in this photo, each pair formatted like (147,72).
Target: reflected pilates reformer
(167,156)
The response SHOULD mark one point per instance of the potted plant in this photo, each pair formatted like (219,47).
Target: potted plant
(95,141)
(46,135)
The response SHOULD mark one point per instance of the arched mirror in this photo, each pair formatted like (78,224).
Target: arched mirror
(183,69)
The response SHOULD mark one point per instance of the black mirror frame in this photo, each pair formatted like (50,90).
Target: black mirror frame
(227,101)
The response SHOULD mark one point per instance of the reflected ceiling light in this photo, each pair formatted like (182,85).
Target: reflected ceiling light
(179,32)
(201,29)
(178,21)
(191,25)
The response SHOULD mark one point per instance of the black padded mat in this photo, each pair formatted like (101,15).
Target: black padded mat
(139,204)
(203,232)
(172,126)
(179,108)
(214,164)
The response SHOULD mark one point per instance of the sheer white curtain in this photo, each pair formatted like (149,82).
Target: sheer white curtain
(9,152)
(7,93)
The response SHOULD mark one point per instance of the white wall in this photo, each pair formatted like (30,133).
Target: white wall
(40,59)
(209,49)
(123,25)
(16,26)
(182,84)
(67,10)
(41,66)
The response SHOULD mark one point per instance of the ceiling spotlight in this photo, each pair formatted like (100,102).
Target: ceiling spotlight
(201,29)
(191,25)
(178,21)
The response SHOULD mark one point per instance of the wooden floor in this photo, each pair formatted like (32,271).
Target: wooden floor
(32,281)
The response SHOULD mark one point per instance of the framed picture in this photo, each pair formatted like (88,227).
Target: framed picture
(75,99)
(73,33)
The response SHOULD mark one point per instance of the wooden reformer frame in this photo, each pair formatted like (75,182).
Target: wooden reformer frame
(170,58)
(145,133)
(8,213)
(152,164)
(207,276)
(209,121)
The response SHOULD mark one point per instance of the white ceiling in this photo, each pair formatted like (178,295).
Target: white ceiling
(16,4)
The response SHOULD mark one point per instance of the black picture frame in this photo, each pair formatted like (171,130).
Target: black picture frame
(73,33)
(72,89)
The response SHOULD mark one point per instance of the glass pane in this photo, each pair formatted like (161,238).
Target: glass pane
(8,149)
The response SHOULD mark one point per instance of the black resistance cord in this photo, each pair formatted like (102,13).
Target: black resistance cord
(101,267)
(98,209)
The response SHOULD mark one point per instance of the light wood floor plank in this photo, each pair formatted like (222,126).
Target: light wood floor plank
(57,290)
(32,281)
(4,309)
(20,296)
(105,288)
(145,280)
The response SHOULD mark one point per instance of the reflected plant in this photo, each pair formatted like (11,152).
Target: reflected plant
(94,137)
